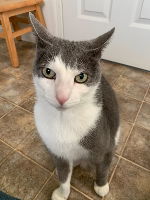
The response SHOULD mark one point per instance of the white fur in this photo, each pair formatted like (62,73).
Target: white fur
(117,136)
(101,190)
(62,192)
(62,130)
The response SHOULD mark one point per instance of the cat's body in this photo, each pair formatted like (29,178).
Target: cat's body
(76,112)
(68,129)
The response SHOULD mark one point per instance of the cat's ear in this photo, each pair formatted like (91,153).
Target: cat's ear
(39,30)
(97,45)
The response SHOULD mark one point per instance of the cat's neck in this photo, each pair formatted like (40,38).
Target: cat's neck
(79,110)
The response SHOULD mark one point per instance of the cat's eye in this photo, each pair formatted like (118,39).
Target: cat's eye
(48,73)
(81,78)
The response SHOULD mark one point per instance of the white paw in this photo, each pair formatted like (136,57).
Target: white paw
(58,194)
(101,190)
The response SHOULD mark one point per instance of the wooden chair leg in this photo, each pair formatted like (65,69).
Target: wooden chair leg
(10,40)
(39,15)
(16,28)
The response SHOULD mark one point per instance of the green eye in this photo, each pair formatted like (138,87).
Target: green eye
(81,78)
(48,73)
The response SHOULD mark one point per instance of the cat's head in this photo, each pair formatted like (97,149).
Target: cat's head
(66,73)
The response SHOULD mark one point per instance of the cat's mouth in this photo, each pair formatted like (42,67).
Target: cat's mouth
(58,107)
(61,108)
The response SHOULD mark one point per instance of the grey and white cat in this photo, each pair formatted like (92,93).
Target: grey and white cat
(76,112)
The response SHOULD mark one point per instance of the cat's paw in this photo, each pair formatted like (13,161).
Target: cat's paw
(58,194)
(101,190)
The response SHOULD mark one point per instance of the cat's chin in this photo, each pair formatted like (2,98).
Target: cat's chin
(64,107)
(59,107)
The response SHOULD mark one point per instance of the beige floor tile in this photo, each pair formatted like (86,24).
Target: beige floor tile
(133,88)
(144,116)
(52,184)
(4,151)
(111,70)
(15,126)
(147,98)
(29,103)
(138,147)
(15,90)
(137,75)
(23,72)
(128,107)
(4,61)
(129,183)
(20,177)
(33,147)
(5,107)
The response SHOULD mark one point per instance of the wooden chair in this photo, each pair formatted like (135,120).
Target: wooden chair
(9,11)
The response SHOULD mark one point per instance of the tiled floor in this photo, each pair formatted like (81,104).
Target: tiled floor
(26,169)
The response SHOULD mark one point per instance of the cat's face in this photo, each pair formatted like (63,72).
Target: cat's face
(65,86)
(66,73)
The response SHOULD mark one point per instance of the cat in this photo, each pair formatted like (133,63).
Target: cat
(76,112)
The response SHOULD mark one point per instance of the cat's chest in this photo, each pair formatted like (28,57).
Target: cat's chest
(62,131)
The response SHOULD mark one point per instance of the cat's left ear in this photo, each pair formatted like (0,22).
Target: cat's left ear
(40,31)
(97,45)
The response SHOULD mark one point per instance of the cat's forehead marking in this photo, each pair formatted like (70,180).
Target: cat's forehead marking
(60,67)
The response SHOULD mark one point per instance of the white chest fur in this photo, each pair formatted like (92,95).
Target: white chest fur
(62,131)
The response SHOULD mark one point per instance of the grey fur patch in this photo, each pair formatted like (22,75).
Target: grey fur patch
(62,167)
(101,139)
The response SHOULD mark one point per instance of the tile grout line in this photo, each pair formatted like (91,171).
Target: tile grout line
(88,197)
(126,95)
(131,123)
(140,126)
(135,163)
(9,154)
(7,112)
(122,151)
(115,81)
(122,73)
(119,156)
(16,105)
(24,109)
(114,170)
(128,137)
(43,186)
(28,158)
(7,144)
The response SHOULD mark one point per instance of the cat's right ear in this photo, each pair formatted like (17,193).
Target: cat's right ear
(40,31)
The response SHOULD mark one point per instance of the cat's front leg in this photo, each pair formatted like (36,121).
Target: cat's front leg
(101,185)
(64,171)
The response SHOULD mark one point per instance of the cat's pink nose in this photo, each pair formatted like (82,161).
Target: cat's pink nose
(61,100)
